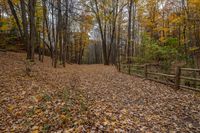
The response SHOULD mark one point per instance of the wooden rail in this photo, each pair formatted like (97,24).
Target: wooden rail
(137,70)
(161,74)
(176,77)
(190,69)
(188,78)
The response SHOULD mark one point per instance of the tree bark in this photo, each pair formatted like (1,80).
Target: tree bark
(129,34)
(12,8)
(25,28)
(32,4)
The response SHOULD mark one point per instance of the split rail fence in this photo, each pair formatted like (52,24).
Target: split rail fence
(176,78)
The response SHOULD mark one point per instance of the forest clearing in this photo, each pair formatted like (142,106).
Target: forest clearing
(89,98)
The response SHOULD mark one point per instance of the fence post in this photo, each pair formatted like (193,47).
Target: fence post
(146,71)
(177,78)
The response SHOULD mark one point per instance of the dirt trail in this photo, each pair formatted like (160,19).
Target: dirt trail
(89,98)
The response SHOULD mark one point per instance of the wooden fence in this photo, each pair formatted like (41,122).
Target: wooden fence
(174,79)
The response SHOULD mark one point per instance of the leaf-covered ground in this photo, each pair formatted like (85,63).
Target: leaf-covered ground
(89,98)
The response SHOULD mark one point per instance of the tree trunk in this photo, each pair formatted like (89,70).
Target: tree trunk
(103,34)
(129,35)
(65,36)
(32,4)
(12,8)
(25,28)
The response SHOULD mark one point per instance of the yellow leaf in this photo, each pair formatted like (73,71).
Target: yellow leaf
(35,131)
(11,108)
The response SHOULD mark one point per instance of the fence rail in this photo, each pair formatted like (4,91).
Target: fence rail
(190,69)
(175,78)
(161,74)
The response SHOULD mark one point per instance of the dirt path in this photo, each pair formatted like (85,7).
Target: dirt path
(89,98)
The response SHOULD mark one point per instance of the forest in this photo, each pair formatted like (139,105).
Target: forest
(99,66)
(109,32)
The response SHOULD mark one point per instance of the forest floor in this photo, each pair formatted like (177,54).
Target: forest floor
(89,98)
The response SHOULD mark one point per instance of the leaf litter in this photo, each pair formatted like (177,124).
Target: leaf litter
(89,98)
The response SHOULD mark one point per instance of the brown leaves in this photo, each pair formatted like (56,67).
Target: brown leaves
(35,129)
(89,99)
